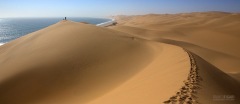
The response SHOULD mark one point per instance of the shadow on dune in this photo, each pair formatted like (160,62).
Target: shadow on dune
(63,82)
(216,83)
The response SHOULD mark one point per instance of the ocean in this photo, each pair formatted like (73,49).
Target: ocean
(13,28)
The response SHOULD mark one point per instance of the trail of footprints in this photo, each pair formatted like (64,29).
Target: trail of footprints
(186,95)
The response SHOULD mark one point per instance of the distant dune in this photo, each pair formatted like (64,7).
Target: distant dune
(144,59)
(212,35)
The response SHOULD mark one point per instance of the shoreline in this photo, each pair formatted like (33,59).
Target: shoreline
(108,23)
(2,44)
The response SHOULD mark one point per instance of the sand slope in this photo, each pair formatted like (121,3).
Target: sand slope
(214,36)
(76,63)
(154,84)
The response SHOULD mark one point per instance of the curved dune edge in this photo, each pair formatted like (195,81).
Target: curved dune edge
(72,63)
(154,84)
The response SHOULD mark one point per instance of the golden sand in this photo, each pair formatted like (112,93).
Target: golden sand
(130,63)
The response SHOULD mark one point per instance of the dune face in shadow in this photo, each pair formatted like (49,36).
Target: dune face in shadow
(217,87)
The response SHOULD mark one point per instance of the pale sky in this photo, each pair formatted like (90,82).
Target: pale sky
(104,8)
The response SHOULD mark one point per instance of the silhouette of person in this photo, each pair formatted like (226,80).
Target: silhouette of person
(65,18)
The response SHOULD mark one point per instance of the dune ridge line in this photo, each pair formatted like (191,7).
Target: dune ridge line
(187,93)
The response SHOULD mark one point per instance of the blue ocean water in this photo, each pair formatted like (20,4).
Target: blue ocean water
(12,28)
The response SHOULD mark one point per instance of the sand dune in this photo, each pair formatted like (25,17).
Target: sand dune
(214,36)
(130,63)
(76,63)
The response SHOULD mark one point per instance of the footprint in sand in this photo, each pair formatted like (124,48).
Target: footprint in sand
(186,93)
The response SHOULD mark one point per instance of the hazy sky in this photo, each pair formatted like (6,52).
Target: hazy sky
(103,8)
